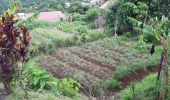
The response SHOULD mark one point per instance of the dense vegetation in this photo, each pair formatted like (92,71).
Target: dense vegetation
(124,14)
(38,5)
(76,59)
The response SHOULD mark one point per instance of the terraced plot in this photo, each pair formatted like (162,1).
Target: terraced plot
(93,63)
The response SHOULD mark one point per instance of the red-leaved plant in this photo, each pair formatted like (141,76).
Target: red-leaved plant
(14,41)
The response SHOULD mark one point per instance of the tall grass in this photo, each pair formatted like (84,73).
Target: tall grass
(47,40)
(147,89)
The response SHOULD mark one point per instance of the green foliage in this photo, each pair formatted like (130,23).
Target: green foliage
(128,14)
(3,6)
(38,78)
(147,89)
(144,90)
(42,24)
(134,64)
(18,94)
(156,29)
(78,17)
(77,33)
(127,34)
(125,70)
(125,13)
(72,87)
(112,83)
(39,5)
(74,27)
(77,7)
(91,14)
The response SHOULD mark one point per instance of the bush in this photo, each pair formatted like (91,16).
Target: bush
(78,17)
(91,14)
(17,38)
(122,13)
(78,8)
(127,34)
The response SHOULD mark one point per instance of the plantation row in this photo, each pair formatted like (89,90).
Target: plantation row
(95,65)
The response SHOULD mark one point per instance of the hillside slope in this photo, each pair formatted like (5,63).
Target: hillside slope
(100,62)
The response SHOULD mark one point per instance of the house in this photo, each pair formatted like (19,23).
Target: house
(107,4)
(52,16)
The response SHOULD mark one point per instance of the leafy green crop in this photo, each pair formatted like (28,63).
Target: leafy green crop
(37,78)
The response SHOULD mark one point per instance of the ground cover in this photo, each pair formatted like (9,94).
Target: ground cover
(104,63)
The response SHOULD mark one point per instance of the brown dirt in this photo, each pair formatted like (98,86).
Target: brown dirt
(96,70)
(138,75)
(90,65)
(114,94)
(94,61)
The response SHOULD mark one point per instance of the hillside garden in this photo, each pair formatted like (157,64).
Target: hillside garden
(127,59)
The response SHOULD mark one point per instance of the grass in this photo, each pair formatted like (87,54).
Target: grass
(132,63)
(39,35)
(127,69)
(48,39)
(143,90)
(18,94)
(73,27)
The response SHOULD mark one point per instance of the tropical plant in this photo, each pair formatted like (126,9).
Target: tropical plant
(125,14)
(157,33)
(14,42)
(36,77)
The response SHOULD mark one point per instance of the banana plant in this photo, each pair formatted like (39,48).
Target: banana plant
(157,33)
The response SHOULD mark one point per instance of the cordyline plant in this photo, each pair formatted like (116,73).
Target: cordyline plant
(14,41)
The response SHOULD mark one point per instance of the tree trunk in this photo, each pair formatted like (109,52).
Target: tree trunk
(164,82)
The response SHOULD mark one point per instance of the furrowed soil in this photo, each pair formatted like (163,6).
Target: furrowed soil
(94,63)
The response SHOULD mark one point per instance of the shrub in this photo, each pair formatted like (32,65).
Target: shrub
(128,34)
(91,14)
(82,29)
(96,36)
(78,17)
(122,12)
(14,42)
(77,7)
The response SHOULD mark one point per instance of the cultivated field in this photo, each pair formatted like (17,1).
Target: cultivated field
(94,64)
